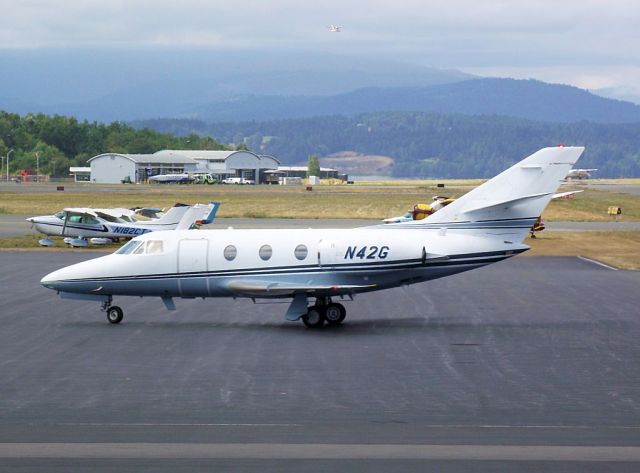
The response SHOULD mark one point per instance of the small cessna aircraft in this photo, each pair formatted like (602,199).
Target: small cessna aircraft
(579,173)
(486,225)
(335,29)
(102,226)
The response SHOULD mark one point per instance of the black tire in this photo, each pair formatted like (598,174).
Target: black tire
(114,314)
(335,314)
(314,318)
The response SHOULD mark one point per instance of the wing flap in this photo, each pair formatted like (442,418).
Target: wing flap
(254,287)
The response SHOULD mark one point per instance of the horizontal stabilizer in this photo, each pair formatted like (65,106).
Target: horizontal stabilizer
(504,203)
(560,195)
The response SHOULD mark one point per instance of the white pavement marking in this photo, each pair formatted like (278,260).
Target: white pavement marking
(589,260)
(321,451)
(170,424)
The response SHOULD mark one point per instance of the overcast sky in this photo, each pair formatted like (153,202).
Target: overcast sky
(589,43)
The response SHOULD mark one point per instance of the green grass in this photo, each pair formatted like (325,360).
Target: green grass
(341,201)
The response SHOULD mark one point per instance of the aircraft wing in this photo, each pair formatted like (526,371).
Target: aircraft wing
(267,288)
(80,211)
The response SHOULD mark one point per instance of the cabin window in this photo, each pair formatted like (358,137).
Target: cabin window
(230,253)
(154,247)
(301,252)
(265,252)
(129,247)
(90,219)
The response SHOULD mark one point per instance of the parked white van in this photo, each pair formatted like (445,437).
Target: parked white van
(237,180)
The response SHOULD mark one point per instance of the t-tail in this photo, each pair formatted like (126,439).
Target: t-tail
(512,201)
(170,219)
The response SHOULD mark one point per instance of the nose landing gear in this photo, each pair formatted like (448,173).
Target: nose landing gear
(114,313)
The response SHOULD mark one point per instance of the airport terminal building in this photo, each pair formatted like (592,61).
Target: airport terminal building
(115,167)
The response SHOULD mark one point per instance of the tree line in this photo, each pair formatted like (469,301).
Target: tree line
(429,144)
(59,142)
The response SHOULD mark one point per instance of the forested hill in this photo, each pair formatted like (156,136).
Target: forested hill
(60,142)
(427,144)
(528,99)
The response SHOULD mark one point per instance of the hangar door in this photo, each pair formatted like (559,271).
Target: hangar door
(192,258)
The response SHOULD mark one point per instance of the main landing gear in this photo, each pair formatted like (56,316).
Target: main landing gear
(114,313)
(324,311)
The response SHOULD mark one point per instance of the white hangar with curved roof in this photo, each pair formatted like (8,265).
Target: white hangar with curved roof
(118,167)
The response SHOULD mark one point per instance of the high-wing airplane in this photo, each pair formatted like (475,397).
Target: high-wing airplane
(104,225)
(486,225)
(335,29)
(579,173)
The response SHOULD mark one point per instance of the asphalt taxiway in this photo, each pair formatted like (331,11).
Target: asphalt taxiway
(527,365)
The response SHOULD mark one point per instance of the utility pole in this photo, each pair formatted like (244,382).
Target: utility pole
(8,153)
(37,153)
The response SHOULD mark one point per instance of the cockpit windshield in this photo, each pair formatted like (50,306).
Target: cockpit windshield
(150,247)
(129,247)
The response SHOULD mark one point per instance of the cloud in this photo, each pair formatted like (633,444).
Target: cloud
(449,33)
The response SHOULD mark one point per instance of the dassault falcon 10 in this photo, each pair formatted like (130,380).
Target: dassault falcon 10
(486,225)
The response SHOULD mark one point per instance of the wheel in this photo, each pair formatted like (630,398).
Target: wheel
(335,313)
(114,314)
(314,318)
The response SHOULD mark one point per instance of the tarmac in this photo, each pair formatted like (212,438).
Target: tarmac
(526,365)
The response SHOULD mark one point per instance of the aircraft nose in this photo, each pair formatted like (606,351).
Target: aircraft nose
(50,280)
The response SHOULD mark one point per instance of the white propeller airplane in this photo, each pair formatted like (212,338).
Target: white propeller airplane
(486,225)
(104,225)
(335,29)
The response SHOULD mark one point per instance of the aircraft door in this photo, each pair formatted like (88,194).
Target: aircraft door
(329,253)
(192,262)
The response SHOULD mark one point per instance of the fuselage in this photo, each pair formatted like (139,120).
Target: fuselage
(214,263)
(91,228)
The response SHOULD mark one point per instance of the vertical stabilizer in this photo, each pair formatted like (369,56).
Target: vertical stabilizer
(522,191)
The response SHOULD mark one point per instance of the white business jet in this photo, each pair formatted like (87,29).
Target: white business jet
(486,225)
(335,29)
(104,225)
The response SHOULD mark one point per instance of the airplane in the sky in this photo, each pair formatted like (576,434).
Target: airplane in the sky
(580,173)
(486,225)
(335,29)
(102,226)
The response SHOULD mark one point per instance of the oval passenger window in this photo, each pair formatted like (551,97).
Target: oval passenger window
(230,253)
(301,252)
(265,252)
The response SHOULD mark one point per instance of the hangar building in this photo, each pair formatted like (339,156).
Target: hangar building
(116,167)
